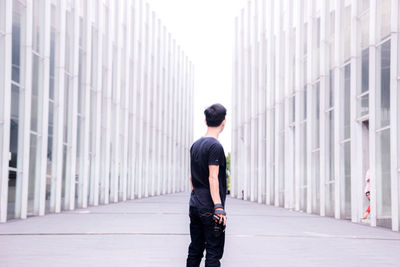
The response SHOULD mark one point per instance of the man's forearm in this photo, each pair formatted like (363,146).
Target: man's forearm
(214,190)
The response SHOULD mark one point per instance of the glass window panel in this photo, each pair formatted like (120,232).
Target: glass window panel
(316,102)
(398,133)
(66,107)
(305,31)
(50,138)
(330,200)
(365,30)
(35,93)
(316,49)
(363,105)
(33,186)
(316,183)
(93,73)
(36,26)
(330,148)
(304,113)
(303,147)
(93,114)
(383,179)
(64,175)
(12,186)
(331,88)
(346,32)
(15,93)
(383,86)
(52,62)
(16,40)
(81,81)
(292,106)
(365,70)
(384,15)
(331,39)
(305,71)
(346,101)
(53,17)
(364,5)
(346,185)
(68,42)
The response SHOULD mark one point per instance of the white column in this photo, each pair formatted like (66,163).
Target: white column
(125,102)
(115,9)
(169,113)
(372,106)
(277,100)
(146,107)
(324,88)
(175,54)
(5,102)
(298,102)
(310,111)
(164,88)
(394,114)
(21,198)
(43,110)
(338,112)
(356,128)
(160,98)
(109,29)
(235,86)
(69,200)
(94,200)
(289,149)
(85,158)
(59,80)
(133,99)
(270,100)
(140,85)
(253,103)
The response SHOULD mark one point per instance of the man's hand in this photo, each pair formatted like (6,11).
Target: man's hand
(220,212)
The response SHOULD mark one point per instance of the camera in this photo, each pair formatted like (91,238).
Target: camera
(218,228)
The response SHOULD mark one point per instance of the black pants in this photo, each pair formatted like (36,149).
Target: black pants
(201,233)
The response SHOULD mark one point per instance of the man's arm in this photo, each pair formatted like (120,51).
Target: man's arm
(214,189)
(191,183)
(214,183)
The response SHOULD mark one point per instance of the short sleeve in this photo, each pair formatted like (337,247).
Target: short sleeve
(215,155)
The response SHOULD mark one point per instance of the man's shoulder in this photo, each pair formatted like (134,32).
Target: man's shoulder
(208,141)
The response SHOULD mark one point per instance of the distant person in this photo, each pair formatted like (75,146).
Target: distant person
(367,182)
(368,210)
(207,200)
(367,194)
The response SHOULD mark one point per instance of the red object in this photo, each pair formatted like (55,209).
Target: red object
(368,209)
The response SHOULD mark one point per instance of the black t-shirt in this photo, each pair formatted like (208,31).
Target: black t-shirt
(204,152)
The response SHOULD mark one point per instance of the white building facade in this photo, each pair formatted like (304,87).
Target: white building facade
(315,103)
(96,105)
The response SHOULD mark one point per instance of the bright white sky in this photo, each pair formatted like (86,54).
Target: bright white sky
(205,31)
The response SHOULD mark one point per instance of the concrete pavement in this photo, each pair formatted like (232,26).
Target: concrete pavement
(155,232)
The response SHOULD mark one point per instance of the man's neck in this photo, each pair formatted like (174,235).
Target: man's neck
(213,132)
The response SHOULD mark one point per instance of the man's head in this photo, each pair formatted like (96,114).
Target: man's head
(215,116)
(367,194)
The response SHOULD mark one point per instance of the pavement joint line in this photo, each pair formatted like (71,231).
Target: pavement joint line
(184,213)
(307,235)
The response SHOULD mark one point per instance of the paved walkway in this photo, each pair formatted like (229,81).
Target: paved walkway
(154,232)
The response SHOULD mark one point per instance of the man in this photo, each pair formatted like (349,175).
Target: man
(207,200)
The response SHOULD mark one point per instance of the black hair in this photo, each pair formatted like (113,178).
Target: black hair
(215,115)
